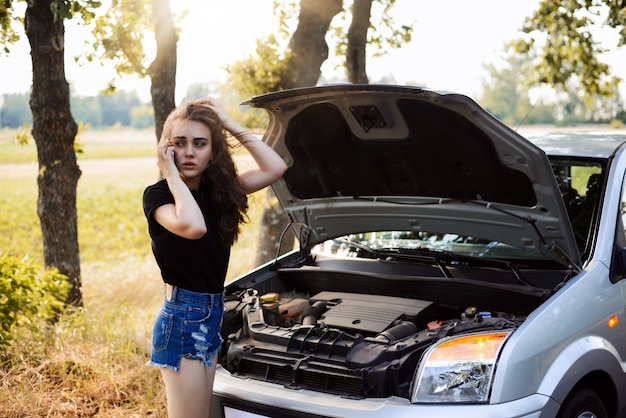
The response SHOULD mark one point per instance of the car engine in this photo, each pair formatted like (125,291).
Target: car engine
(350,344)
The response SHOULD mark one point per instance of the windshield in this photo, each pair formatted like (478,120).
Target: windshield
(357,245)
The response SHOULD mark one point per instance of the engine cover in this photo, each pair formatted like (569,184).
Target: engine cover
(366,313)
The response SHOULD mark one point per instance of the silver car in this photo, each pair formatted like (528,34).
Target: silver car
(444,266)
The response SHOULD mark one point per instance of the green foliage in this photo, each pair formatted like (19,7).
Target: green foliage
(66,9)
(286,12)
(617,19)
(62,9)
(259,73)
(566,57)
(383,35)
(393,35)
(29,296)
(598,108)
(119,35)
(569,51)
(22,135)
(8,35)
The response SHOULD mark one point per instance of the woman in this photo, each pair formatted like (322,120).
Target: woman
(193,219)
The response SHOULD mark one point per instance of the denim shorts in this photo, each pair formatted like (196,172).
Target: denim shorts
(188,325)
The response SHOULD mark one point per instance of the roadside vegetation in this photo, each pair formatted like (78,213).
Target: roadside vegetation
(91,362)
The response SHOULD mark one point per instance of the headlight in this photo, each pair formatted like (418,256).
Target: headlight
(458,369)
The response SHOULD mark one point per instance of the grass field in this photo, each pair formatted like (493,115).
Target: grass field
(93,364)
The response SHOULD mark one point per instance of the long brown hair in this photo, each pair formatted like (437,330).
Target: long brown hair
(220,176)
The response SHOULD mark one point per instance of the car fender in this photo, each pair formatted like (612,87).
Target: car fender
(577,360)
(565,339)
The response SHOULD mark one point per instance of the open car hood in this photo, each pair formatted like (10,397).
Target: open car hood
(395,158)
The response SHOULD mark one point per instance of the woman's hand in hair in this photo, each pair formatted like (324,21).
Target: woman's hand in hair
(228,124)
(270,166)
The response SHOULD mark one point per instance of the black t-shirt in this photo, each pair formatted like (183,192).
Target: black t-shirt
(196,265)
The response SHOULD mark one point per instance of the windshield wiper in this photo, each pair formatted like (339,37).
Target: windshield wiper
(552,247)
(438,258)
(480,261)
(388,254)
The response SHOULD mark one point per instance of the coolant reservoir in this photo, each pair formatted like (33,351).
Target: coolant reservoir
(291,309)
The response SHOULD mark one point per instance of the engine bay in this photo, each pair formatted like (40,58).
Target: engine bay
(355,345)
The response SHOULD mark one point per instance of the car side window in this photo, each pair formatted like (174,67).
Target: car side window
(623,205)
(580,182)
(618,262)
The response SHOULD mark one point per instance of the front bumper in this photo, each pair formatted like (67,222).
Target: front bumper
(243,398)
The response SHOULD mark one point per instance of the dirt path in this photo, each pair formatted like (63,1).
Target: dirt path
(88,167)
(104,166)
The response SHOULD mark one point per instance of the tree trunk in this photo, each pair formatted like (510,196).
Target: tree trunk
(357,41)
(54,130)
(307,52)
(162,71)
(307,48)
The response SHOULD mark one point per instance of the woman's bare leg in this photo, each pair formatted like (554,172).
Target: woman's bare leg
(189,390)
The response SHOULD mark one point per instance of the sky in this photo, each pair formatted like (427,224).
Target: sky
(451,42)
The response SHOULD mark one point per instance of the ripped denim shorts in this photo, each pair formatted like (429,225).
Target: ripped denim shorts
(188,325)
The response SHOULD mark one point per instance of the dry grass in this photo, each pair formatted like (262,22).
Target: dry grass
(92,363)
